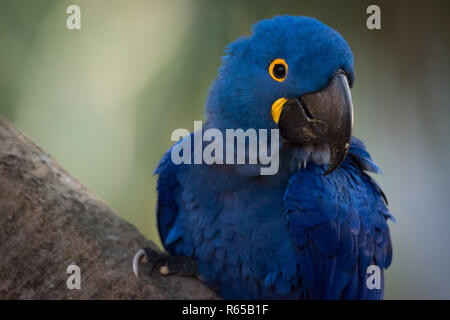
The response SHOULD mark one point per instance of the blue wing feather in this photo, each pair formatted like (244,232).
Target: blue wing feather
(167,208)
(338,223)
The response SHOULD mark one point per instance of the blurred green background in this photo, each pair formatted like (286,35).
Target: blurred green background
(104,100)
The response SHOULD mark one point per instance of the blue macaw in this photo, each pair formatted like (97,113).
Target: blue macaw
(311,230)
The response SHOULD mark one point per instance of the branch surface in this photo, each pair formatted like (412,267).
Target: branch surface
(48,221)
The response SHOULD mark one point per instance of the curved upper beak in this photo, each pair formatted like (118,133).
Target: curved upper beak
(324,116)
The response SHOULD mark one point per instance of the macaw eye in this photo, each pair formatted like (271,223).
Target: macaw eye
(278,70)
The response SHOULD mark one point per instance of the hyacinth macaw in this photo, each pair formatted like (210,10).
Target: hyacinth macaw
(311,230)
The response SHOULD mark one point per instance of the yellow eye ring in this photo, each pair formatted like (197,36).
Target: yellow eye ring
(278,70)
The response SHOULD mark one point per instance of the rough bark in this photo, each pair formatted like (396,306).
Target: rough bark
(48,221)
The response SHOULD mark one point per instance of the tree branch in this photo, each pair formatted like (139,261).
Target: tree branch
(48,221)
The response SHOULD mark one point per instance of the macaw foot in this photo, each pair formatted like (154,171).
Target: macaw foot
(165,264)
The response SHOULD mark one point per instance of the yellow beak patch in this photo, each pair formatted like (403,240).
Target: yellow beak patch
(277,107)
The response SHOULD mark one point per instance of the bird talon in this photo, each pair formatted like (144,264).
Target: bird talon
(164,270)
(140,256)
(178,265)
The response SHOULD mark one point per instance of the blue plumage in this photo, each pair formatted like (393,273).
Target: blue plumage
(294,235)
(340,221)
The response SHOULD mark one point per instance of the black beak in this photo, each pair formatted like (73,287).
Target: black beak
(325,116)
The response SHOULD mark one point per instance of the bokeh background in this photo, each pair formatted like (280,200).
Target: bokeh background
(104,100)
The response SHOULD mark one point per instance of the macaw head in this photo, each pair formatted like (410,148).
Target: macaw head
(292,73)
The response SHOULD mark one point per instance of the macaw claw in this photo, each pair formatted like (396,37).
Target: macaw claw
(165,264)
